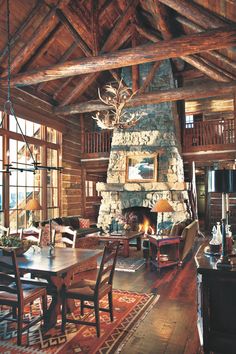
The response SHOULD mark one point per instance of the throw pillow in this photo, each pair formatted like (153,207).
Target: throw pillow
(84,223)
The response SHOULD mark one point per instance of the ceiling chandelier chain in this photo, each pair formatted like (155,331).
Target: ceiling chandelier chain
(8,109)
(116,99)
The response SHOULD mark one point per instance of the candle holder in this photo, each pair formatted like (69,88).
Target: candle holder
(51,248)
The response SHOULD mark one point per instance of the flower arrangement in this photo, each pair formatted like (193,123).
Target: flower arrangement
(128,220)
(14,242)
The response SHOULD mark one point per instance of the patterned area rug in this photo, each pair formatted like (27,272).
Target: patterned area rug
(129,310)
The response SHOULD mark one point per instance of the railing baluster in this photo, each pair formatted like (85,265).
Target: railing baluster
(208,133)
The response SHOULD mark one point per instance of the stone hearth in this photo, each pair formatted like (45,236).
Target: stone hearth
(157,133)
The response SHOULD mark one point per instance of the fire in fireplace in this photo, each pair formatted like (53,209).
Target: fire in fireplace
(145,220)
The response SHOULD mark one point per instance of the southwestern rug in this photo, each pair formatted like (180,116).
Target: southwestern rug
(130,308)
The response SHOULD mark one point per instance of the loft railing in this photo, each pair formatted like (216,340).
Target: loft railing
(97,142)
(208,135)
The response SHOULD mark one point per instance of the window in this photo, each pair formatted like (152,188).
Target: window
(28,128)
(52,184)
(24,185)
(189,121)
(90,189)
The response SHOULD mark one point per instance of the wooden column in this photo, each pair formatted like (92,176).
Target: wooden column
(135,71)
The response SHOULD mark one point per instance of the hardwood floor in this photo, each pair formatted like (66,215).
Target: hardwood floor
(171,326)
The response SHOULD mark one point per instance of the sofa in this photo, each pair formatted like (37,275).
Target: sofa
(60,224)
(187,230)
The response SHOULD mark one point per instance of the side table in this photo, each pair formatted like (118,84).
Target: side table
(164,251)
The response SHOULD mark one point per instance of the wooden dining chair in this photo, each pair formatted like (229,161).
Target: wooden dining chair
(68,236)
(32,234)
(4,230)
(93,290)
(12,295)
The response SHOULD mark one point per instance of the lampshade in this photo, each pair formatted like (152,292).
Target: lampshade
(33,204)
(222,181)
(162,206)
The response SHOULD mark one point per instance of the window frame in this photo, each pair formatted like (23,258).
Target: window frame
(43,144)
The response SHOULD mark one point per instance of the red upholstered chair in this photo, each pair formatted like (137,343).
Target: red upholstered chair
(93,290)
(12,295)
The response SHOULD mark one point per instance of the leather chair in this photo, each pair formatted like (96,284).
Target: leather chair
(93,290)
(12,295)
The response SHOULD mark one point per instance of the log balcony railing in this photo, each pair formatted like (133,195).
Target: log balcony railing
(209,135)
(96,144)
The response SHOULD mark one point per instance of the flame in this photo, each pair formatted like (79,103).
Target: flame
(146,227)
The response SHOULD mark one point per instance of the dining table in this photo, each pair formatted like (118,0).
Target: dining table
(54,271)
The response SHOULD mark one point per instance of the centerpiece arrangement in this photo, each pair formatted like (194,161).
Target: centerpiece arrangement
(14,242)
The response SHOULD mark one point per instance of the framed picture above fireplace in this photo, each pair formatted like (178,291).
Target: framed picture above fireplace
(141,168)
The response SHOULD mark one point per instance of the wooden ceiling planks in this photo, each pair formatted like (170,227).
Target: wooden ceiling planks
(100,26)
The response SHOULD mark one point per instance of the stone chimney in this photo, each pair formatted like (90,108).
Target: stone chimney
(156,135)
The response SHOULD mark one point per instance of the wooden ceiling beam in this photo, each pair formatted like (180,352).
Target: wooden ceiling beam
(80,42)
(116,38)
(195,13)
(21,29)
(87,80)
(208,68)
(77,20)
(214,54)
(47,25)
(95,27)
(184,93)
(44,46)
(135,70)
(212,89)
(65,56)
(174,48)
(160,13)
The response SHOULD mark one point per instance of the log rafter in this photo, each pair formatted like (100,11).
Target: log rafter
(214,54)
(22,28)
(116,38)
(161,15)
(47,25)
(212,89)
(185,45)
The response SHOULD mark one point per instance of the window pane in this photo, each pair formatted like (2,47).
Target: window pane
(13,219)
(29,128)
(13,197)
(21,197)
(12,124)
(51,135)
(21,219)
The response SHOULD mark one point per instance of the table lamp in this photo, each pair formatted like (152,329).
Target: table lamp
(224,182)
(32,205)
(162,206)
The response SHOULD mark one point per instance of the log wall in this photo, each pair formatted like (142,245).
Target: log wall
(71,177)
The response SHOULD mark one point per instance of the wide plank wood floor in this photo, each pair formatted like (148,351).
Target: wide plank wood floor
(171,326)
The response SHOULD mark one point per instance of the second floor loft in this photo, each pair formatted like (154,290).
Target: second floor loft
(201,136)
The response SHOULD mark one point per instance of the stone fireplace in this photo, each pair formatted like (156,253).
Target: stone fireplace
(156,134)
